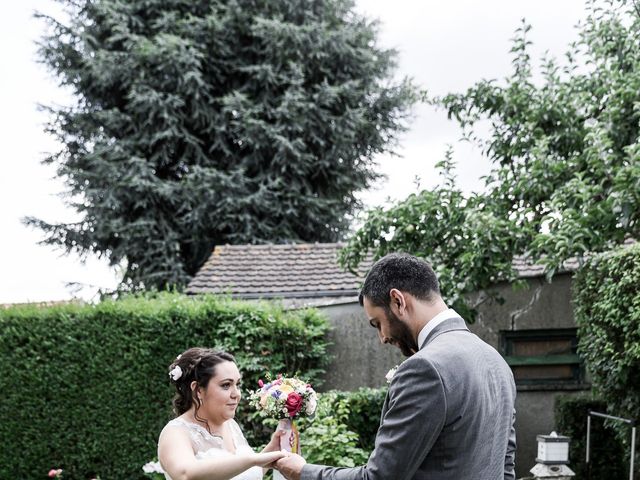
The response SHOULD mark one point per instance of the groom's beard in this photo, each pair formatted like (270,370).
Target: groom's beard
(401,335)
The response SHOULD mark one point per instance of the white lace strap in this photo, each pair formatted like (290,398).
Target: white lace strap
(200,437)
(238,437)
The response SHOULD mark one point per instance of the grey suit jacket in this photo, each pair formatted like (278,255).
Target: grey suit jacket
(449,415)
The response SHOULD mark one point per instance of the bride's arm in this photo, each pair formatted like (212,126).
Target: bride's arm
(274,443)
(272,446)
(177,459)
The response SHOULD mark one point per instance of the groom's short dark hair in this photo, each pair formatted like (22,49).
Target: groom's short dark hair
(402,271)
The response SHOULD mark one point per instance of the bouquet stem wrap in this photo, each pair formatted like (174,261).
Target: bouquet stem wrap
(290,441)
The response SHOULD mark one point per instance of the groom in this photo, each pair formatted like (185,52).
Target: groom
(449,411)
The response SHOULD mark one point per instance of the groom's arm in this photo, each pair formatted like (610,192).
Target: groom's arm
(411,425)
(510,457)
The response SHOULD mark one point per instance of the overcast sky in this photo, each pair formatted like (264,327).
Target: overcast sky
(444,46)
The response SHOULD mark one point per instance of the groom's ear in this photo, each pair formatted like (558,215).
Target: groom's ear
(398,302)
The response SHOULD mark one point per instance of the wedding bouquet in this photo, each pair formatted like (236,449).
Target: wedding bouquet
(285,399)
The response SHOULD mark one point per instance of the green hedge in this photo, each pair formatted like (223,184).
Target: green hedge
(364,406)
(85,388)
(607,455)
(606,295)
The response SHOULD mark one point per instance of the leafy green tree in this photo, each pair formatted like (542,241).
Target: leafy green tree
(210,122)
(565,176)
(468,244)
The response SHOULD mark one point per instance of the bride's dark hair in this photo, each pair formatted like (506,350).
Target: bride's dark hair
(199,365)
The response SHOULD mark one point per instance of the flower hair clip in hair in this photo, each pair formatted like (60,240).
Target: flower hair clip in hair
(175,373)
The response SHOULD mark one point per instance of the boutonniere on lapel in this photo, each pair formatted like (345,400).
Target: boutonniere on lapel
(391,373)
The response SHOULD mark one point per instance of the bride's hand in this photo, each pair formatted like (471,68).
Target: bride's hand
(274,443)
(267,459)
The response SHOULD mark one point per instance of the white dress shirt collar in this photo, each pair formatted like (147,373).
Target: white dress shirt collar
(434,322)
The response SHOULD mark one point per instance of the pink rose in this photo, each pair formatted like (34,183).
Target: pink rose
(294,403)
(53,473)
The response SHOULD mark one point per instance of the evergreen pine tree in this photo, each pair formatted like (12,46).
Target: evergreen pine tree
(198,123)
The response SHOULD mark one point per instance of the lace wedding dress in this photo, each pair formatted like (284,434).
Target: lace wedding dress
(206,445)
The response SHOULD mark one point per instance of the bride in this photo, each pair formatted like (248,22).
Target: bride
(204,441)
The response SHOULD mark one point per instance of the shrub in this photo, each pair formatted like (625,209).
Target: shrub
(607,457)
(364,406)
(343,431)
(85,388)
(328,440)
(606,296)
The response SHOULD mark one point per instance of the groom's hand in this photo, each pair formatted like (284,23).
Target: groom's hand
(291,466)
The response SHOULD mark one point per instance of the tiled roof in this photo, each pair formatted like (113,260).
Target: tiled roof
(526,269)
(295,271)
(285,271)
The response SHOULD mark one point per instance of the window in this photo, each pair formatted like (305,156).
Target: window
(543,358)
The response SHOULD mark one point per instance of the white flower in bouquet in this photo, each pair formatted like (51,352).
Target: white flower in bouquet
(312,404)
